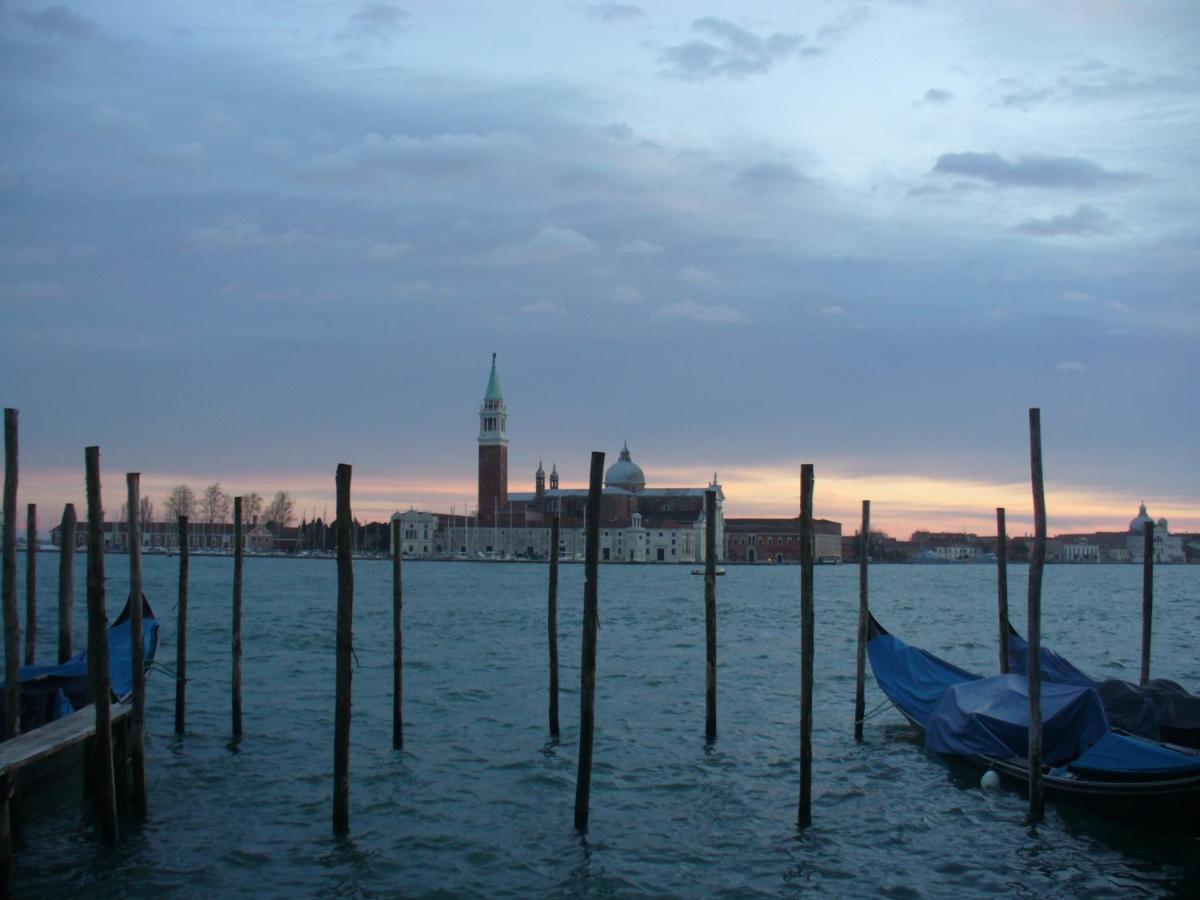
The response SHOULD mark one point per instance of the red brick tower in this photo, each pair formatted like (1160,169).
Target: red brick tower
(493,450)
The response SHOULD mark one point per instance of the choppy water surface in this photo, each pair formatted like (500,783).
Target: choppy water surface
(480,803)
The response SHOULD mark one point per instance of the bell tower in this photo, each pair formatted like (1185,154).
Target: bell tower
(493,450)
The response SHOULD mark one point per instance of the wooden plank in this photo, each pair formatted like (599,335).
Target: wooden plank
(181,637)
(135,732)
(66,582)
(31,545)
(238,564)
(345,653)
(710,614)
(1002,586)
(97,649)
(12,617)
(804,815)
(1037,561)
(397,639)
(552,619)
(864,610)
(1147,597)
(55,737)
(591,622)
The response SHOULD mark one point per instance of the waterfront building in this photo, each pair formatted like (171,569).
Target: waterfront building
(778,540)
(1168,548)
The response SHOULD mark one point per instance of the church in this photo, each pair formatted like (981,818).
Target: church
(638,524)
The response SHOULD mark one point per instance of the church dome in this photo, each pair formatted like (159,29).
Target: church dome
(1138,523)
(625,473)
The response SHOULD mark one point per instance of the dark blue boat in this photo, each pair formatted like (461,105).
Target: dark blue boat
(986,721)
(50,692)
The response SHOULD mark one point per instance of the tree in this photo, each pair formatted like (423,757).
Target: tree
(214,504)
(280,510)
(146,509)
(251,506)
(180,502)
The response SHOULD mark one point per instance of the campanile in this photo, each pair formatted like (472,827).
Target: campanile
(493,450)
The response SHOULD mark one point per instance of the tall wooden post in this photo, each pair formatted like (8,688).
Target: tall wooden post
(860,671)
(31,548)
(66,581)
(345,650)
(12,618)
(101,684)
(591,622)
(1147,596)
(1034,666)
(552,621)
(397,638)
(238,562)
(804,817)
(181,640)
(710,615)
(1002,586)
(137,753)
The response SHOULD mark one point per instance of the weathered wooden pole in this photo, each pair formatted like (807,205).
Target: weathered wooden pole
(238,562)
(804,817)
(1147,596)
(1002,586)
(31,545)
(1034,665)
(102,754)
(552,621)
(345,651)
(66,581)
(12,618)
(137,726)
(181,639)
(397,638)
(860,671)
(710,615)
(591,622)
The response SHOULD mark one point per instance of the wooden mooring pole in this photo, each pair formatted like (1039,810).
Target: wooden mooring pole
(591,622)
(102,753)
(345,651)
(31,545)
(12,618)
(1037,562)
(397,638)
(860,671)
(66,581)
(1147,596)
(137,727)
(552,621)
(1002,586)
(804,817)
(238,562)
(710,615)
(181,639)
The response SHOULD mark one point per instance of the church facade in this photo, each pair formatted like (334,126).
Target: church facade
(638,524)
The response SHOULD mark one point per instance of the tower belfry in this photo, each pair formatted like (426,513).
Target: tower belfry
(493,449)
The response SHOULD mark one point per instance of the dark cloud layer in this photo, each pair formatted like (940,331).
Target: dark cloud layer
(1034,171)
(727,50)
(611,11)
(59,20)
(1085,221)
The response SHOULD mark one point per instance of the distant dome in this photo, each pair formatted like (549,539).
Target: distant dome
(625,473)
(1138,523)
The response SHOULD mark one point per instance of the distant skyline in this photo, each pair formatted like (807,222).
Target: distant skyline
(243,243)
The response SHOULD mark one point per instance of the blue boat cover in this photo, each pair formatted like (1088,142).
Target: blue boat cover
(1054,667)
(913,679)
(1119,754)
(990,717)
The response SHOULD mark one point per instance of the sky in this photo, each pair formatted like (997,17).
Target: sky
(247,242)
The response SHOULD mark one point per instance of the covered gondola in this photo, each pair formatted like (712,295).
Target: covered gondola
(986,721)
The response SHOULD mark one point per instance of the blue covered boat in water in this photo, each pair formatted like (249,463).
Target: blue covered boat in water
(986,721)
(50,692)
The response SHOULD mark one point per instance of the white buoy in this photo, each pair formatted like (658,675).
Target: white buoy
(990,780)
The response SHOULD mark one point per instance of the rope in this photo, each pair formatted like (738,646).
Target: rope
(171,673)
(873,713)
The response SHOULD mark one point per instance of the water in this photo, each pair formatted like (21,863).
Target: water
(480,803)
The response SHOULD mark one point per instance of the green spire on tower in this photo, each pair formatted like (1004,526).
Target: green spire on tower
(493,388)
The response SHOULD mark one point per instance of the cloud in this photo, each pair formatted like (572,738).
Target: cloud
(548,245)
(1076,297)
(381,252)
(1086,220)
(179,154)
(619,131)
(936,97)
(443,155)
(1033,171)
(768,176)
(374,21)
(610,11)
(32,291)
(539,307)
(1069,365)
(639,248)
(730,51)
(238,233)
(689,309)
(1091,82)
(693,275)
(61,21)
(627,294)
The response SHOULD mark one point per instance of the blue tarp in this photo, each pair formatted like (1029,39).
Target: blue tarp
(990,717)
(1054,667)
(1118,754)
(912,678)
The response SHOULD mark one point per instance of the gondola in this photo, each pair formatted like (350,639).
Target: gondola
(51,692)
(1160,709)
(985,720)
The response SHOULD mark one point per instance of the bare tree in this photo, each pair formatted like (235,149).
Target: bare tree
(280,511)
(146,509)
(251,506)
(214,504)
(180,502)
